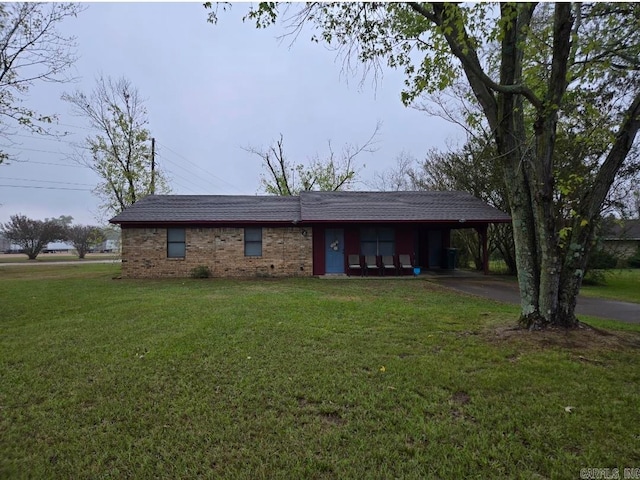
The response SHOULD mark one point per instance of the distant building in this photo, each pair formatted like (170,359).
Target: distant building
(5,244)
(621,237)
(111,243)
(57,247)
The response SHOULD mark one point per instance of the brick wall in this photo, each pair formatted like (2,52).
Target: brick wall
(622,249)
(286,251)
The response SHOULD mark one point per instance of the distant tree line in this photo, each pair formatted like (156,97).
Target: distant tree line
(32,236)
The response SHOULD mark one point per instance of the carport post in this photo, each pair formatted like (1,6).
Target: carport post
(482,231)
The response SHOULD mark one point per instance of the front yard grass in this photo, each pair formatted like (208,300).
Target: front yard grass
(55,257)
(621,284)
(299,378)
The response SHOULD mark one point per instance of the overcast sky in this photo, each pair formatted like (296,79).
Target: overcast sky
(210,90)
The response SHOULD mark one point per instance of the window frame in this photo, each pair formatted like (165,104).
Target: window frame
(173,242)
(383,239)
(386,241)
(253,240)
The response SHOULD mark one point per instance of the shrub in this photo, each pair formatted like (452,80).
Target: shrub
(602,260)
(634,261)
(595,277)
(201,271)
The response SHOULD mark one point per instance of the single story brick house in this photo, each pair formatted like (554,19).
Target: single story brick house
(310,234)
(621,237)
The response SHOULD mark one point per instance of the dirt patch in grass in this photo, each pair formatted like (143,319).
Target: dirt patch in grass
(332,418)
(461,398)
(584,337)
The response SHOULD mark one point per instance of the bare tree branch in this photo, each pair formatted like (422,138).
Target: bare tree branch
(120,154)
(31,50)
(326,174)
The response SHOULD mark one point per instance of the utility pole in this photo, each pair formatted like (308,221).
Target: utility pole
(153,166)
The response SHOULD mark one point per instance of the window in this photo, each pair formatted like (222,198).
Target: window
(176,246)
(386,241)
(253,242)
(369,241)
(377,241)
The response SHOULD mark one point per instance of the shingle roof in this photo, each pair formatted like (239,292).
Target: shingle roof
(423,206)
(211,208)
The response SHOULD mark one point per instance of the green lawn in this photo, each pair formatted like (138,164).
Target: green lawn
(55,257)
(299,378)
(620,285)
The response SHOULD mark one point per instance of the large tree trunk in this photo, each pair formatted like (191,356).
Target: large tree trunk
(549,273)
(510,136)
(583,228)
(543,201)
(573,269)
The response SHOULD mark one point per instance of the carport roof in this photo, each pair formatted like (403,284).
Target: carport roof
(419,206)
(313,207)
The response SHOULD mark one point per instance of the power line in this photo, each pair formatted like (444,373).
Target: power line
(48,138)
(165,166)
(44,163)
(199,167)
(173,174)
(34,150)
(76,126)
(183,186)
(47,188)
(48,151)
(46,181)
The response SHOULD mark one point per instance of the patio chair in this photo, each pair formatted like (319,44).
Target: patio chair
(388,264)
(404,262)
(371,263)
(354,262)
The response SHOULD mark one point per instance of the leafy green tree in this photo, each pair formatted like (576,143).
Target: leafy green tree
(121,153)
(31,50)
(528,65)
(33,235)
(335,172)
(84,237)
(471,169)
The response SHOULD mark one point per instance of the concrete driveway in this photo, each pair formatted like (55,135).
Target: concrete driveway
(507,291)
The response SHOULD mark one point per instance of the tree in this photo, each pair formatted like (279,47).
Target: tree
(121,153)
(333,173)
(31,50)
(33,235)
(83,237)
(397,178)
(463,169)
(576,156)
(471,169)
(528,65)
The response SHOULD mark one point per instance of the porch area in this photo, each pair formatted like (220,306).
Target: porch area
(390,249)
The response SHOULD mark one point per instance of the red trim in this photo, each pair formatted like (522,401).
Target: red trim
(452,222)
(318,251)
(485,249)
(309,223)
